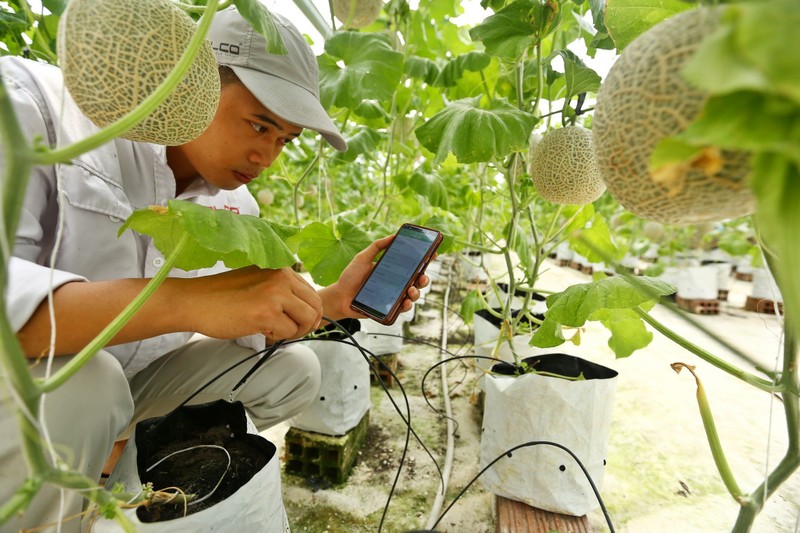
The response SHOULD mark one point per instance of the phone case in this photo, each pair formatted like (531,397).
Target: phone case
(391,317)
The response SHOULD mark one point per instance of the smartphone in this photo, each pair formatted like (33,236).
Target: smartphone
(382,294)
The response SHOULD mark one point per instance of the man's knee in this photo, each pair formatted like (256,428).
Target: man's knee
(101,390)
(98,393)
(283,387)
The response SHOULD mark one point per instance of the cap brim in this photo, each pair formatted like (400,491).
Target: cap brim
(292,103)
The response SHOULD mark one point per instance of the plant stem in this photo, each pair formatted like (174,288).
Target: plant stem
(13,362)
(19,161)
(708,357)
(791,459)
(141,111)
(58,379)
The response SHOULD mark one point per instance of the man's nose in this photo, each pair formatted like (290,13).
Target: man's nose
(265,154)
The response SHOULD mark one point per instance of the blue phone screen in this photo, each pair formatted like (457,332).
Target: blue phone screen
(398,264)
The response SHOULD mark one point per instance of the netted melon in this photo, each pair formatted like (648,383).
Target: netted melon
(563,169)
(115,53)
(643,100)
(653,230)
(357,13)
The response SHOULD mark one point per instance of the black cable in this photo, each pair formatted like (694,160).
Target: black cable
(508,453)
(269,351)
(394,376)
(209,382)
(454,358)
(364,352)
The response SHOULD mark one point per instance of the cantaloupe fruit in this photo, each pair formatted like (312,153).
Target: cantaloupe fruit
(563,169)
(115,53)
(653,230)
(643,100)
(357,13)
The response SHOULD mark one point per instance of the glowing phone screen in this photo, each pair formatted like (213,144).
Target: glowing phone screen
(398,264)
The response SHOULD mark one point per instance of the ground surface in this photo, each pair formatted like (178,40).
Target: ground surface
(660,476)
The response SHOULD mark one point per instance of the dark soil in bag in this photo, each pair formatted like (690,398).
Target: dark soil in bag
(557,363)
(198,471)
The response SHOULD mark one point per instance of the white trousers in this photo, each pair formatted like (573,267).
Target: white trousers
(98,406)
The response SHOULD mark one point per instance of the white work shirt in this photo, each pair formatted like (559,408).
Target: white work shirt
(90,200)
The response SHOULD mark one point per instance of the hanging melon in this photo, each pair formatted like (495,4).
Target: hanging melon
(643,100)
(115,53)
(562,167)
(653,230)
(357,13)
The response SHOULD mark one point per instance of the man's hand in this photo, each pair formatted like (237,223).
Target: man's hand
(277,303)
(338,296)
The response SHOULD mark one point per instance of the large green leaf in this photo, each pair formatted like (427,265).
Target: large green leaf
(579,78)
(475,134)
(326,250)
(215,235)
(455,68)
(748,51)
(421,68)
(775,181)
(260,19)
(628,331)
(431,187)
(517,26)
(602,300)
(56,7)
(594,241)
(371,69)
(627,19)
(363,141)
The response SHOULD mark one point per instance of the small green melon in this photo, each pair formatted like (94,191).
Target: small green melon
(562,166)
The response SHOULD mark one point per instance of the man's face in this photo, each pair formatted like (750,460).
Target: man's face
(243,139)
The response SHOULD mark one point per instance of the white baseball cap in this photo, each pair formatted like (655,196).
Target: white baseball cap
(287,84)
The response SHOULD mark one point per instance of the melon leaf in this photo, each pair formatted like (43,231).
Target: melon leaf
(579,78)
(215,235)
(372,69)
(260,18)
(327,248)
(627,19)
(517,26)
(454,69)
(602,300)
(474,134)
(628,331)
(432,187)
(363,141)
(594,242)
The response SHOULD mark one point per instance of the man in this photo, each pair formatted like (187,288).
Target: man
(67,240)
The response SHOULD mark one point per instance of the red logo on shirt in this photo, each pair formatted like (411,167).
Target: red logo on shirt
(231,208)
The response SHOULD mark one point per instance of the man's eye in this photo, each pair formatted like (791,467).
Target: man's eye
(260,128)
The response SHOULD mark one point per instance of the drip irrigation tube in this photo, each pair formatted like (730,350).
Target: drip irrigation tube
(433,518)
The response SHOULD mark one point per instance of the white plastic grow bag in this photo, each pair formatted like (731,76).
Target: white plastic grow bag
(256,507)
(532,407)
(699,283)
(380,339)
(344,395)
(764,285)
